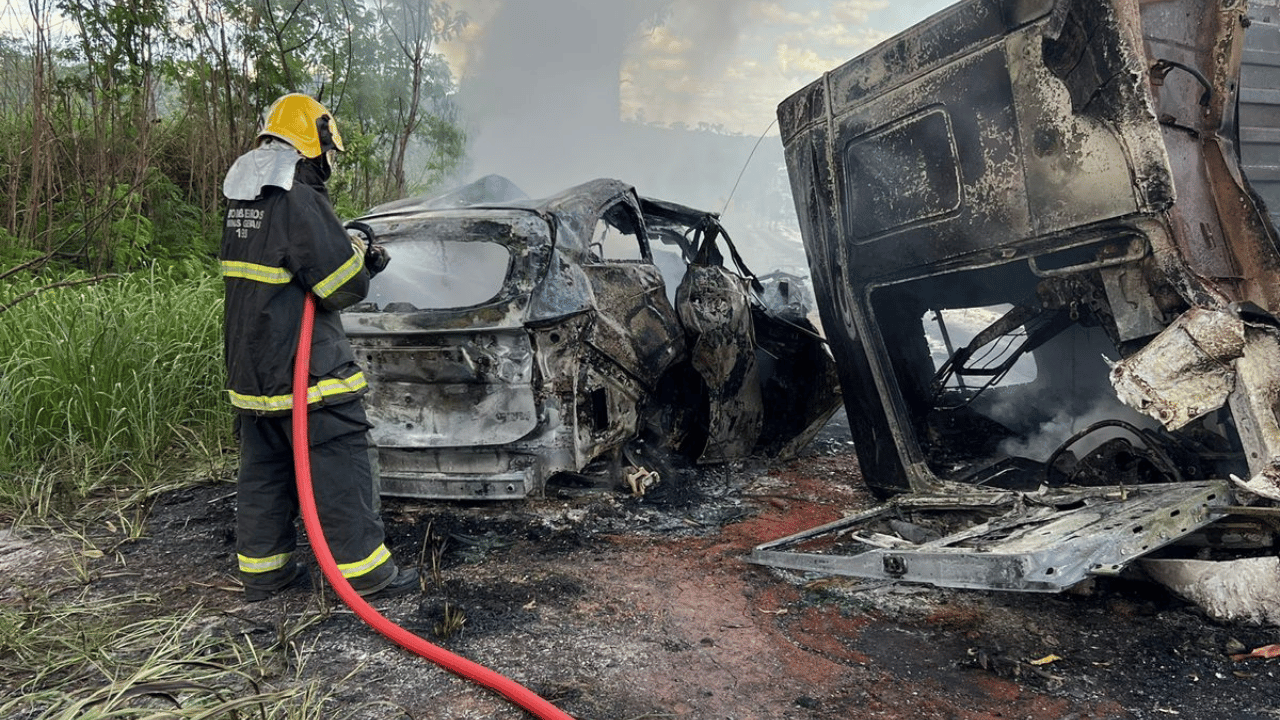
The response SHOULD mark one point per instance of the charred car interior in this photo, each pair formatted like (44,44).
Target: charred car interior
(595,334)
(1042,253)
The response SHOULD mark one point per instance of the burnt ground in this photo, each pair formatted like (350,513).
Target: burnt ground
(622,608)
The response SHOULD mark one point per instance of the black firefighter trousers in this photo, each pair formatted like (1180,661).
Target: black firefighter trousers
(341,479)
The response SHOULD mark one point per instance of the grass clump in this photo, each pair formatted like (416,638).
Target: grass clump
(114,658)
(107,386)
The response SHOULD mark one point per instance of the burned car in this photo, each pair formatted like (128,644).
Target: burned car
(1041,246)
(511,340)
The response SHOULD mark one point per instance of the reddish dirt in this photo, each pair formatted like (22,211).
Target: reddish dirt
(618,608)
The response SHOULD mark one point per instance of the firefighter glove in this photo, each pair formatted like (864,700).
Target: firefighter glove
(360,233)
(376,258)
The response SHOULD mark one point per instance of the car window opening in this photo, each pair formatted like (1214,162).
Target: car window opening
(1018,394)
(434,274)
(617,238)
(599,410)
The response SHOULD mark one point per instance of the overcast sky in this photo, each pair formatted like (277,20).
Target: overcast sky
(724,63)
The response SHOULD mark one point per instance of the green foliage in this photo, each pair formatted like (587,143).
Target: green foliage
(13,251)
(122,128)
(122,122)
(182,234)
(352,168)
(116,43)
(110,384)
(444,146)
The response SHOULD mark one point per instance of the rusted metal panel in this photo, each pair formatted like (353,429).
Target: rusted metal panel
(928,169)
(438,391)
(1254,404)
(635,323)
(1057,180)
(1186,372)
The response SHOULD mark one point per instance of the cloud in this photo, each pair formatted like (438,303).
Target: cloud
(712,30)
(856,12)
(746,56)
(744,69)
(836,37)
(667,65)
(662,40)
(775,13)
(801,62)
(722,62)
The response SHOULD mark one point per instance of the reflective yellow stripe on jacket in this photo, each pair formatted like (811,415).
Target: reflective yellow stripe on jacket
(339,277)
(326,388)
(365,566)
(261,565)
(255,272)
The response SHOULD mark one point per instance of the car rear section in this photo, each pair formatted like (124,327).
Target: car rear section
(454,396)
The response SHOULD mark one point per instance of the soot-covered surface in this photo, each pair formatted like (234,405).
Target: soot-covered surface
(620,608)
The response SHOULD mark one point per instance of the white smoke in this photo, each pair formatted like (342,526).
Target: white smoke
(1050,436)
(545,86)
(542,96)
(541,93)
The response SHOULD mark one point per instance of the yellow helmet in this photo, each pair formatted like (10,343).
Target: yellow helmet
(304,123)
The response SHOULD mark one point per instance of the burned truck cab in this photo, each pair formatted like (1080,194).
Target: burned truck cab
(1038,254)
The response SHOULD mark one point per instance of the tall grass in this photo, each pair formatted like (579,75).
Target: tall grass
(114,384)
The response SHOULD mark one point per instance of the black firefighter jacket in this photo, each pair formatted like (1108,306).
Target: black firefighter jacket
(275,249)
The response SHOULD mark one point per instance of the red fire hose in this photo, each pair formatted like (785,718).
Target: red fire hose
(478,674)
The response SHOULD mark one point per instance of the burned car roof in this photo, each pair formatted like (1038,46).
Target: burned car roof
(668,220)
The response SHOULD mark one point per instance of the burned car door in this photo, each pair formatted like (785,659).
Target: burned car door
(764,377)
(716,312)
(635,324)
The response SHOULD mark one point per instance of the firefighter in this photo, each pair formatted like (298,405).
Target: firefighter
(280,241)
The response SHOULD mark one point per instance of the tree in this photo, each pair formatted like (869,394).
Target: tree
(127,130)
(415,27)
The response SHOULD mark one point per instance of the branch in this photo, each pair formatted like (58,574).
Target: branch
(28,264)
(64,283)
